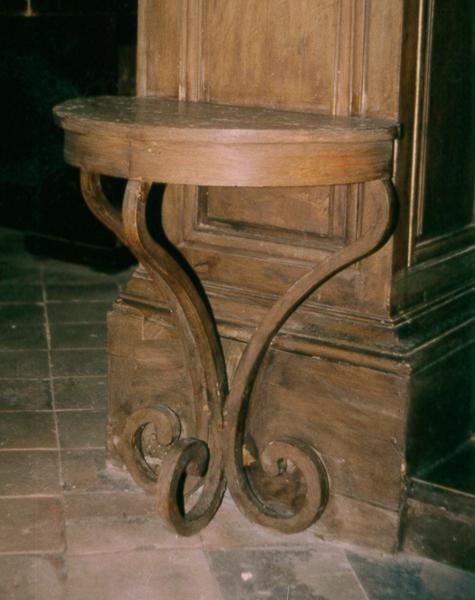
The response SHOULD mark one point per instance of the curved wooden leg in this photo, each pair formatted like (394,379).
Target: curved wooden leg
(279,452)
(99,204)
(200,456)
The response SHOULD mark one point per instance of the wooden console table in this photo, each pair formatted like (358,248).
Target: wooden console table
(145,140)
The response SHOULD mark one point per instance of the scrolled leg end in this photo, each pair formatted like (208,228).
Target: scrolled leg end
(287,454)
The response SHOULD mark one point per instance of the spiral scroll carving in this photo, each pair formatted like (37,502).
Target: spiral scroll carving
(219,437)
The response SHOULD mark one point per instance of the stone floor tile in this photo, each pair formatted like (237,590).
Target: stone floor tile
(32,578)
(389,579)
(86,471)
(80,392)
(22,337)
(54,265)
(29,394)
(21,314)
(70,363)
(230,529)
(92,535)
(13,274)
(285,573)
(31,524)
(134,503)
(21,364)
(20,430)
(409,578)
(81,335)
(67,273)
(11,241)
(447,583)
(105,291)
(21,293)
(78,312)
(24,472)
(16,257)
(145,575)
(82,429)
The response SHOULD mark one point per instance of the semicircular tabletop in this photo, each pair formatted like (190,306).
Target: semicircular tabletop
(156,139)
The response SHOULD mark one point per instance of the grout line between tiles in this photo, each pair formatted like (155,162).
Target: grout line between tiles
(23,496)
(4,350)
(77,448)
(131,490)
(138,549)
(78,322)
(81,409)
(360,585)
(13,411)
(63,377)
(54,377)
(20,302)
(80,301)
(50,410)
(81,348)
(57,552)
(51,449)
(53,405)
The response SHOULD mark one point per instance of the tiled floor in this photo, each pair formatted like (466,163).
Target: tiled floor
(72,529)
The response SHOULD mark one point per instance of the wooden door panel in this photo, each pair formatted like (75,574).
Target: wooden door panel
(270,52)
(268,212)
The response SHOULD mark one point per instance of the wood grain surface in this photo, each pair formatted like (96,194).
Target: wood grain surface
(209,144)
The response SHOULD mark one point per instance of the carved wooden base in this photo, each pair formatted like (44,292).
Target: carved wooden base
(185,461)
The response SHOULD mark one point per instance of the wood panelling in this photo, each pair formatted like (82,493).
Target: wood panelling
(270,52)
(383,60)
(420,337)
(158,53)
(440,417)
(448,176)
(312,213)
(269,215)
(361,444)
(357,71)
(156,348)
(442,533)
(280,53)
(225,254)
(359,523)
(435,166)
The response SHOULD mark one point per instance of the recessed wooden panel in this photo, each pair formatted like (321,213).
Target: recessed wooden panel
(270,52)
(381,60)
(270,212)
(158,48)
(299,54)
(266,262)
(448,143)
(438,528)
(440,417)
